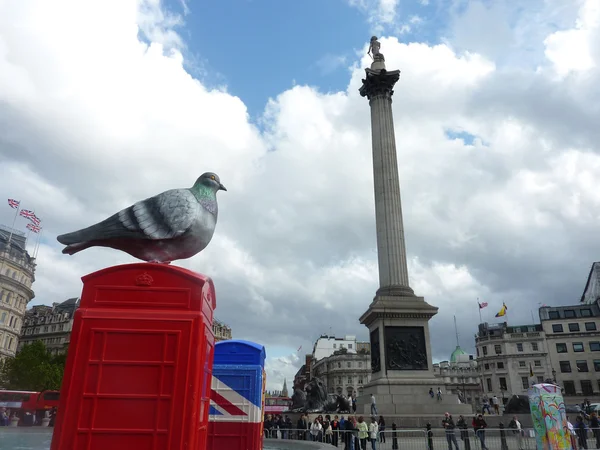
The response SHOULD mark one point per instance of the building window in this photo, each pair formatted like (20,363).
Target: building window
(565,366)
(590,326)
(334,345)
(569,388)
(484,348)
(498,349)
(553,315)
(360,364)
(349,380)
(537,363)
(582,365)
(349,345)
(594,346)
(486,366)
(500,365)
(586,312)
(519,347)
(569,314)
(489,384)
(586,387)
(521,363)
(349,364)
(339,380)
(561,348)
(597,365)
(557,328)
(339,365)
(525,382)
(534,346)
(540,379)
(578,347)
(502,382)
(573,327)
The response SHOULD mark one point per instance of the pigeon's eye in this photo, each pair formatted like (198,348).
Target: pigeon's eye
(212,177)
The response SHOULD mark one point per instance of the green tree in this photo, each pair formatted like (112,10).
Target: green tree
(34,368)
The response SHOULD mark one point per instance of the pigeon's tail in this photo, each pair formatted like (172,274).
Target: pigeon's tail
(107,229)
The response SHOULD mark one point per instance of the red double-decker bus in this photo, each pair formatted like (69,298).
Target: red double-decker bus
(29,401)
(277,405)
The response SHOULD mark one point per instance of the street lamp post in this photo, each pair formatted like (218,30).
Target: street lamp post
(554,375)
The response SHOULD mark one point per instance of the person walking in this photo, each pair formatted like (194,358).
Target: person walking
(373,432)
(479,425)
(449,426)
(373,405)
(595,427)
(381,429)
(496,404)
(518,430)
(581,432)
(363,433)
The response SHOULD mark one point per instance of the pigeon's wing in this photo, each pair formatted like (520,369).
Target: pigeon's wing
(164,216)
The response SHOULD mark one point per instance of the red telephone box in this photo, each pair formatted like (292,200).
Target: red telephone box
(139,367)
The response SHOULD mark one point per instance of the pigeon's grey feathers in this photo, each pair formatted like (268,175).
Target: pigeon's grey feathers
(173,225)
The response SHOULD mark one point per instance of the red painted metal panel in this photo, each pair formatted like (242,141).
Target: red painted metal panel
(139,365)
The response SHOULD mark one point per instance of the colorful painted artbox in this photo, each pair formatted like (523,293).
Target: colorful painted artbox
(549,417)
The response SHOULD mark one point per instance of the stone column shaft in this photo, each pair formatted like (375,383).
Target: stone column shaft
(388,207)
(391,250)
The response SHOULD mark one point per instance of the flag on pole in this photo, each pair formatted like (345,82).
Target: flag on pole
(36,220)
(13,203)
(531,371)
(502,311)
(27,213)
(482,305)
(32,227)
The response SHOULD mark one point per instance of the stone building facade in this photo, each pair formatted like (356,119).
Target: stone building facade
(506,356)
(50,324)
(573,335)
(221,331)
(17,274)
(344,372)
(460,376)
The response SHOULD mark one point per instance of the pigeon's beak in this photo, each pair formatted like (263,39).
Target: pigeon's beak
(221,187)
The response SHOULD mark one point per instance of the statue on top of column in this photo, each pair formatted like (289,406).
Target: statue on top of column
(374,47)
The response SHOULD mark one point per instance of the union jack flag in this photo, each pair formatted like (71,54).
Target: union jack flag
(26,213)
(14,204)
(36,220)
(227,404)
(33,228)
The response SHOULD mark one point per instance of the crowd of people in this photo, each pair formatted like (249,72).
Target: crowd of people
(351,433)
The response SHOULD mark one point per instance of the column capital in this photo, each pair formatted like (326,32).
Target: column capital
(379,82)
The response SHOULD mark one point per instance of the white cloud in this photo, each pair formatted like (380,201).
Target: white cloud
(91,124)
(572,50)
(380,13)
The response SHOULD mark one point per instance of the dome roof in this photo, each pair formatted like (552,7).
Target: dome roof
(458,351)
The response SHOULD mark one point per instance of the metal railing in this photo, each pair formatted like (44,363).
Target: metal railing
(434,439)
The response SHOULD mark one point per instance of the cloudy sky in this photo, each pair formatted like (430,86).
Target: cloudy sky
(103,103)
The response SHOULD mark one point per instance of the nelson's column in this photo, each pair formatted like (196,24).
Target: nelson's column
(397,319)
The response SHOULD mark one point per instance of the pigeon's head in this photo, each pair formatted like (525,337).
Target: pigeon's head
(211,181)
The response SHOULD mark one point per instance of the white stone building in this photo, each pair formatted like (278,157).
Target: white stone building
(326,345)
(573,335)
(591,292)
(459,376)
(50,324)
(17,274)
(506,356)
(343,372)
